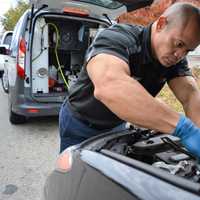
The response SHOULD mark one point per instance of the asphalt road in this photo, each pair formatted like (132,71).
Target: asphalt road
(27,155)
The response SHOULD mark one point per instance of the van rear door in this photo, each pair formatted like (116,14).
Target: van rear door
(95,8)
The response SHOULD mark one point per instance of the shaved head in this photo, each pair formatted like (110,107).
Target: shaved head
(182,13)
(175,33)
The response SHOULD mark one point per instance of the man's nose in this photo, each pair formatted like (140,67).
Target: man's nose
(179,54)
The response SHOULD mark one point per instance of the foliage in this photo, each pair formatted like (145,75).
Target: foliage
(13,15)
(149,14)
(167,96)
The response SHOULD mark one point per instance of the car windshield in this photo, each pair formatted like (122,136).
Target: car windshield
(104,3)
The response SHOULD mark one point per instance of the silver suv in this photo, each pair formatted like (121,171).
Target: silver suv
(5,43)
(47,51)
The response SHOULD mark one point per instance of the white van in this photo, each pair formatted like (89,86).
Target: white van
(47,51)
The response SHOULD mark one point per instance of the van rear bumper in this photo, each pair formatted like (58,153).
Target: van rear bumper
(37,109)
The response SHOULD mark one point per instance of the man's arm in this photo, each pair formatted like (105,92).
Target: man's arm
(187,92)
(126,97)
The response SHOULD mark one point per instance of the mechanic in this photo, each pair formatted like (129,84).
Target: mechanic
(126,66)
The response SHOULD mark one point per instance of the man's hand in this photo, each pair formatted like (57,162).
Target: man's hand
(189,135)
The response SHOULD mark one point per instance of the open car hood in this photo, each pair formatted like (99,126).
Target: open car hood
(95,8)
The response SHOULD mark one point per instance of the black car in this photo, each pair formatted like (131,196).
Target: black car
(132,164)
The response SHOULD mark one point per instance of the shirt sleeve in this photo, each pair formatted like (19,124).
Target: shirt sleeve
(178,70)
(113,40)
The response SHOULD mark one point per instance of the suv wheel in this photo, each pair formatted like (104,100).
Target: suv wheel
(1,74)
(17,119)
(4,81)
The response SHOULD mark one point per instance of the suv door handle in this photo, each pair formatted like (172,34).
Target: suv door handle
(6,60)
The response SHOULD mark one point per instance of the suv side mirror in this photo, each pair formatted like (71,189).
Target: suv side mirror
(3,50)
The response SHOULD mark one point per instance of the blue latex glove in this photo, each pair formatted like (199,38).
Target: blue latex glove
(189,135)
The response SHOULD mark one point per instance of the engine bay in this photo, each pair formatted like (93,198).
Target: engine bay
(158,150)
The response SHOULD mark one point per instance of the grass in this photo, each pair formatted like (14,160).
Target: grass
(167,96)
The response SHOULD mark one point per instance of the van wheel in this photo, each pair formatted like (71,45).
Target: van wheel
(4,83)
(17,119)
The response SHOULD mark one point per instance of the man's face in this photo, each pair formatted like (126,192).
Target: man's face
(171,44)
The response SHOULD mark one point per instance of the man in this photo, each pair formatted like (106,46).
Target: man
(126,66)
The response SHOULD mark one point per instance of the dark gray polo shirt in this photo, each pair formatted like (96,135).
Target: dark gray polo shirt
(132,44)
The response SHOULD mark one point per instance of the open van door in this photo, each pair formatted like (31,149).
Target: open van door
(112,8)
(62,31)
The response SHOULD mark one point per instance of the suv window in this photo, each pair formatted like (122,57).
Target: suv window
(7,39)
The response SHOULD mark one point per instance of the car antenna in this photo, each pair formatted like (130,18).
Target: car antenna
(106,16)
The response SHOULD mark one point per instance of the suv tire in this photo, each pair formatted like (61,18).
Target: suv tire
(3,82)
(1,74)
(17,119)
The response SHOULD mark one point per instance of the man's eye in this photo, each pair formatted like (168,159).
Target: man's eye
(179,44)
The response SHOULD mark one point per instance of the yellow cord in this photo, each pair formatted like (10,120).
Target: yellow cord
(56,53)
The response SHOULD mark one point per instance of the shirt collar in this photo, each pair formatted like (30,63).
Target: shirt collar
(146,46)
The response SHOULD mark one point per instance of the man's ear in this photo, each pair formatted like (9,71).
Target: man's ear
(161,23)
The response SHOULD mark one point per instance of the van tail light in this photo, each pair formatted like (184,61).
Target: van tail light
(65,160)
(33,110)
(76,11)
(21,58)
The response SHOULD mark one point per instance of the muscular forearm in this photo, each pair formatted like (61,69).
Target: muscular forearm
(131,102)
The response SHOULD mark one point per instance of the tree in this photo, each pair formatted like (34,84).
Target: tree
(149,14)
(13,14)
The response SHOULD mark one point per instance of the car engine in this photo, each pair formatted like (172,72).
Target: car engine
(159,150)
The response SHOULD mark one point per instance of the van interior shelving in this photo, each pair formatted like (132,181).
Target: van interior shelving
(58,50)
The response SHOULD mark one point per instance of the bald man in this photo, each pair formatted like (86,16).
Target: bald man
(126,67)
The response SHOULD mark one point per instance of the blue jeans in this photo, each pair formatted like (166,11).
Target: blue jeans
(73,131)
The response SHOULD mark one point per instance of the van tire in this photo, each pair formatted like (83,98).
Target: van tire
(5,88)
(17,119)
